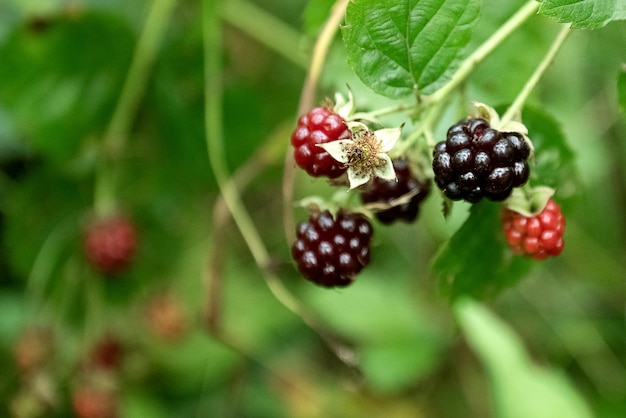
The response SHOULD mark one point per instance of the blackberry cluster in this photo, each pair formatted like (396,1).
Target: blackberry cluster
(319,126)
(476,161)
(332,251)
(537,236)
(386,191)
(110,244)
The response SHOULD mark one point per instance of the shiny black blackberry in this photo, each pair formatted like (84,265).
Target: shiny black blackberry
(476,161)
(331,251)
(388,191)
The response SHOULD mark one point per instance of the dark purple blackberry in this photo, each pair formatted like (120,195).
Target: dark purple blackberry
(386,191)
(331,251)
(476,161)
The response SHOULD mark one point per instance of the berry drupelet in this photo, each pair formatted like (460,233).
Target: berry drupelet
(537,236)
(319,126)
(387,191)
(331,251)
(476,161)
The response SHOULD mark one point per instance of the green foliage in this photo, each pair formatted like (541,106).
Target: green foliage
(315,15)
(621,90)
(475,260)
(399,48)
(584,14)
(519,389)
(554,159)
(57,98)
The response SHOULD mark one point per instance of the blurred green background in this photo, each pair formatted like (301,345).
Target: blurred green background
(62,69)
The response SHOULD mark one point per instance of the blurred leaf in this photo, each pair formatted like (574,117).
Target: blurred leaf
(475,260)
(61,84)
(397,48)
(315,14)
(584,14)
(395,365)
(519,388)
(398,342)
(554,164)
(621,90)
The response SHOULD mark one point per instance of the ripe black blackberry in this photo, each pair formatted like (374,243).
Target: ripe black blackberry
(319,126)
(386,191)
(476,161)
(332,251)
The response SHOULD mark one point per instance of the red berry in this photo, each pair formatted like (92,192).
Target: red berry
(107,353)
(319,126)
(538,236)
(386,191)
(34,350)
(110,244)
(93,402)
(331,251)
(166,317)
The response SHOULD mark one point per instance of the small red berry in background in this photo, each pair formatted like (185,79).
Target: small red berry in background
(319,126)
(107,353)
(537,236)
(94,402)
(166,317)
(33,350)
(110,244)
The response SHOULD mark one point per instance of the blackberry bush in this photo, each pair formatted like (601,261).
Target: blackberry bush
(331,251)
(319,126)
(476,161)
(389,191)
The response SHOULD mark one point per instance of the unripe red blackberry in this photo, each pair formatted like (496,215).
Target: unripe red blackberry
(332,251)
(90,401)
(537,236)
(319,126)
(110,244)
(476,161)
(387,191)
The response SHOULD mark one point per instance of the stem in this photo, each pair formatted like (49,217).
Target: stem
(212,36)
(265,28)
(214,135)
(532,82)
(133,89)
(320,51)
(484,50)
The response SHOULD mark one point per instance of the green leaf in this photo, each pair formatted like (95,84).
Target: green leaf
(398,47)
(315,14)
(584,14)
(476,260)
(519,388)
(60,84)
(621,90)
(554,163)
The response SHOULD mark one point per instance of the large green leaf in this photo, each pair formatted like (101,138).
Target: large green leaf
(554,164)
(59,84)
(399,47)
(475,260)
(621,90)
(519,388)
(584,14)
